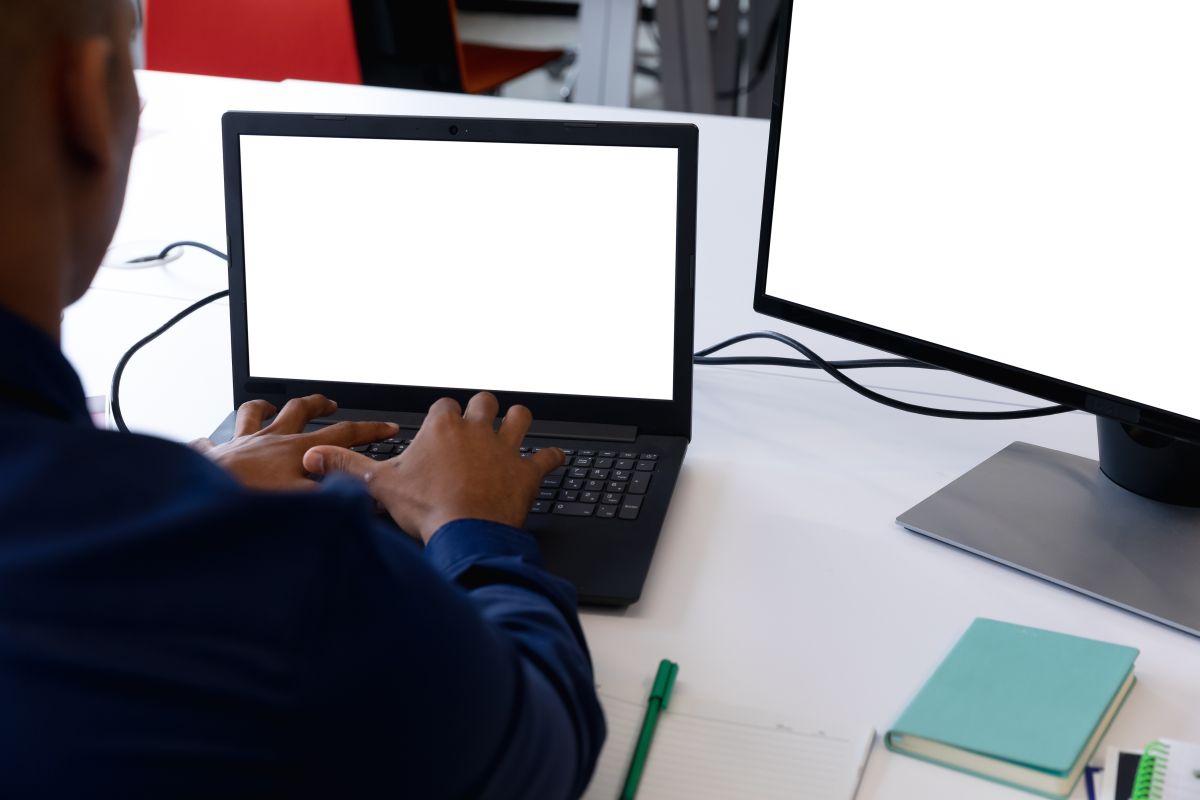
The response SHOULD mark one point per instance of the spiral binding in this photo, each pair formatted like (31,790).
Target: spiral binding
(1152,770)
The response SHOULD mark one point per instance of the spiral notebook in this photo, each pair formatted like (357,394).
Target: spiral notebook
(1170,770)
(703,752)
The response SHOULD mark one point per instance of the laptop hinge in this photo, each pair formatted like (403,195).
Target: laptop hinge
(541,428)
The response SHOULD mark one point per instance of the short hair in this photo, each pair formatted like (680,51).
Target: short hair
(29,27)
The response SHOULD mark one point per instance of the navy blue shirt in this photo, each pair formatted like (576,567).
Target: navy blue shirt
(166,633)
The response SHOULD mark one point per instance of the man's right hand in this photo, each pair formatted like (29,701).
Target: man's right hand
(458,467)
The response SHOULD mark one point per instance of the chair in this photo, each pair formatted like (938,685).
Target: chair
(414,44)
(259,39)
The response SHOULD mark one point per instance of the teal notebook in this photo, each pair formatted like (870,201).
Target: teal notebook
(1022,706)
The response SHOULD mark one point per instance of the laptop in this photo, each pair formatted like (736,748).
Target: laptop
(389,261)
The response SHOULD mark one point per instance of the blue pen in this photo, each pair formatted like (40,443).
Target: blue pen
(1088,773)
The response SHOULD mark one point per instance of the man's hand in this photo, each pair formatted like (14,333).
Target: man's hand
(270,458)
(458,467)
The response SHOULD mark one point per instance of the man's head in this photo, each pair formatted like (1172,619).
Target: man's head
(67,130)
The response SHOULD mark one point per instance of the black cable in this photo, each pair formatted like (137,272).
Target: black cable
(834,368)
(162,254)
(702,357)
(115,392)
(761,67)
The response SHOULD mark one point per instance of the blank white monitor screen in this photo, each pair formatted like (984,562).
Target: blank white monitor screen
(505,266)
(1018,180)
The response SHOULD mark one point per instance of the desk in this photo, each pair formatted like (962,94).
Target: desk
(781,580)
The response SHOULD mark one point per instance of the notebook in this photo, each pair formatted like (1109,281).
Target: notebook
(702,752)
(1170,770)
(1021,706)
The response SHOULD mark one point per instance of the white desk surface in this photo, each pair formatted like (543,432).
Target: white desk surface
(781,580)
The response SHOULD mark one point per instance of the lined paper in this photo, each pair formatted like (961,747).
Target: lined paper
(702,757)
(1181,780)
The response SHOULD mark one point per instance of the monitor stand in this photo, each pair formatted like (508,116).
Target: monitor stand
(1062,518)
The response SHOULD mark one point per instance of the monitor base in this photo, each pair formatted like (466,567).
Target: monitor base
(1058,517)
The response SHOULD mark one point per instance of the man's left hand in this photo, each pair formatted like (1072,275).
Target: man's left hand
(270,458)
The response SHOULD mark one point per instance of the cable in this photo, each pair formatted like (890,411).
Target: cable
(834,368)
(115,392)
(761,67)
(162,254)
(703,357)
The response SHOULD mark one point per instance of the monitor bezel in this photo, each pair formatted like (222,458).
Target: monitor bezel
(650,416)
(1022,380)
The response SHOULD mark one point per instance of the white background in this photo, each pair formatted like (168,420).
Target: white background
(1019,180)
(515,267)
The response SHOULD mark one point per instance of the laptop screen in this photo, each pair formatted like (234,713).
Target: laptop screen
(515,267)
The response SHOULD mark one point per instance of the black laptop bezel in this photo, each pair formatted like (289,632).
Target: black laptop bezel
(661,417)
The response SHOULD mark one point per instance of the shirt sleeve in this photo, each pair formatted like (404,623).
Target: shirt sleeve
(461,671)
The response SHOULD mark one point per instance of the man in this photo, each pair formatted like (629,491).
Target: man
(173,625)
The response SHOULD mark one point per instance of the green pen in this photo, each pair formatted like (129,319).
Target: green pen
(659,695)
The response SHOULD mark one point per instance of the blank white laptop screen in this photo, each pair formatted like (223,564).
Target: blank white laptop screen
(512,267)
(1019,180)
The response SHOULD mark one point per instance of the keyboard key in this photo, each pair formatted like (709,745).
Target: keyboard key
(621,474)
(604,463)
(598,475)
(552,481)
(625,463)
(574,509)
(589,453)
(649,456)
(594,486)
(541,507)
(568,452)
(583,462)
(362,448)
(606,512)
(572,483)
(629,455)
(568,497)
(645,466)
(616,486)
(589,497)
(612,497)
(559,471)
(608,453)
(524,449)
(546,494)
(630,507)
(379,456)
(382,447)
(579,472)
(639,482)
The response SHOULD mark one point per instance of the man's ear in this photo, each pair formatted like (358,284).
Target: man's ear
(86,103)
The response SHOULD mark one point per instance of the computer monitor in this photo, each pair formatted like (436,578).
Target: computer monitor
(1012,191)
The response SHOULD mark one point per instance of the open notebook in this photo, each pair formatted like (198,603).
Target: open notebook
(703,754)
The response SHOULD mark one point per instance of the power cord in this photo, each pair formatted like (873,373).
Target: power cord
(115,392)
(704,357)
(813,361)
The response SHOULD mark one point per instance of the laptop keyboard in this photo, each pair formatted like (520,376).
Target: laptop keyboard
(607,484)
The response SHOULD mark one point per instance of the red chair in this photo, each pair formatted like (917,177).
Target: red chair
(260,39)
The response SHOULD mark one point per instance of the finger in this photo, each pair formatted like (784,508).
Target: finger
(348,434)
(482,408)
(201,445)
(250,416)
(515,425)
(299,411)
(446,407)
(327,459)
(546,459)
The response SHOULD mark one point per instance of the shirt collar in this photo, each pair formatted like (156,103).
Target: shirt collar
(34,374)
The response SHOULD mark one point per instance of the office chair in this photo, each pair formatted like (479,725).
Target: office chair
(414,44)
(259,39)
